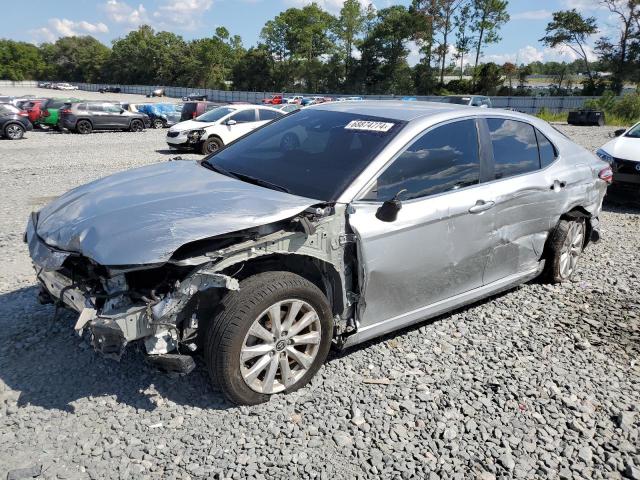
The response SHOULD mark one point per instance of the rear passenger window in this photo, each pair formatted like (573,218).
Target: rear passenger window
(268,114)
(245,116)
(444,159)
(515,148)
(95,108)
(547,150)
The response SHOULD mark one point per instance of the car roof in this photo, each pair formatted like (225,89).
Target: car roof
(393,109)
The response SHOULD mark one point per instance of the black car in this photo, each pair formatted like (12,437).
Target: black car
(110,90)
(84,117)
(194,96)
(13,122)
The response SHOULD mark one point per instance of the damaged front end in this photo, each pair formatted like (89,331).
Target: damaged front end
(164,305)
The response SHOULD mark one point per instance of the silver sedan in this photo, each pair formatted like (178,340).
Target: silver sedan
(332,225)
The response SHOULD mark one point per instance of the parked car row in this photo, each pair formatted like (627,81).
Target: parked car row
(57,86)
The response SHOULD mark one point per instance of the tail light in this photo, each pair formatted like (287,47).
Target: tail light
(45,113)
(23,113)
(193,115)
(606,174)
(65,110)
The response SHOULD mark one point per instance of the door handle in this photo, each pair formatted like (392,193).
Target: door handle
(558,185)
(482,206)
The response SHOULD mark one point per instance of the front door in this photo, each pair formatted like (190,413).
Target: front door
(438,246)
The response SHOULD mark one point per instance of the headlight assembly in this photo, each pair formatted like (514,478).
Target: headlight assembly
(604,156)
(195,135)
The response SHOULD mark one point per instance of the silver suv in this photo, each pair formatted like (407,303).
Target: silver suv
(334,224)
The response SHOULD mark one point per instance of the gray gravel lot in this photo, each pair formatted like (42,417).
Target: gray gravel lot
(540,382)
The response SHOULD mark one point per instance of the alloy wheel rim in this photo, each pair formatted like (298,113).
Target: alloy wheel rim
(13,131)
(83,127)
(571,249)
(136,126)
(212,147)
(280,346)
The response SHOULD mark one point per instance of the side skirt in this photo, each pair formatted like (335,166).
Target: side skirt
(406,319)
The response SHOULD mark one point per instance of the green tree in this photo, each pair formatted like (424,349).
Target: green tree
(349,26)
(254,70)
(463,37)
(489,79)
(572,30)
(489,16)
(383,65)
(615,53)
(20,61)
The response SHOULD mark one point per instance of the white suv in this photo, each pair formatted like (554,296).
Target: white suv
(220,126)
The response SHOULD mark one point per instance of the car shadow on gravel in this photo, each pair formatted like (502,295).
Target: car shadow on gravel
(52,367)
(620,200)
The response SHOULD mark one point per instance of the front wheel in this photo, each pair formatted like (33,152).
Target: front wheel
(84,127)
(210,145)
(136,126)
(158,123)
(565,248)
(269,337)
(14,131)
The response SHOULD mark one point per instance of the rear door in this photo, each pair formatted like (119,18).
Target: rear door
(117,118)
(98,116)
(438,246)
(525,197)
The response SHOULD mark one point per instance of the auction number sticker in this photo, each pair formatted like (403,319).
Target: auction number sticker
(369,126)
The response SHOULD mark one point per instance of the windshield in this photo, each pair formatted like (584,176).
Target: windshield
(311,153)
(457,100)
(634,132)
(215,114)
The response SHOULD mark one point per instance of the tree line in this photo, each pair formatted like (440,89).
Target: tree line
(361,50)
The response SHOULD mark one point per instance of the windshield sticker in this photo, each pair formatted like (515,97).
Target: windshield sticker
(369,126)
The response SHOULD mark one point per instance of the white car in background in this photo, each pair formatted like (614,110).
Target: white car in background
(295,99)
(220,126)
(66,86)
(623,154)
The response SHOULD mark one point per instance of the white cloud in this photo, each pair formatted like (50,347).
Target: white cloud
(62,27)
(184,15)
(123,13)
(530,54)
(582,5)
(532,15)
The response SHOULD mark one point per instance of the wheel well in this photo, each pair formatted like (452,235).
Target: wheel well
(12,123)
(85,119)
(321,274)
(580,212)
(213,135)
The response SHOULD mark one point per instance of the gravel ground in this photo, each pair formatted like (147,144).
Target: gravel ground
(542,381)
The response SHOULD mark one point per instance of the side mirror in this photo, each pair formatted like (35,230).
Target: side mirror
(122,110)
(619,132)
(388,211)
(230,122)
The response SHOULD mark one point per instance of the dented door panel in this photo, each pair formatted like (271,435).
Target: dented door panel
(434,250)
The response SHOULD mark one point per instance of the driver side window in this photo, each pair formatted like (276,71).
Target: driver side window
(244,116)
(444,159)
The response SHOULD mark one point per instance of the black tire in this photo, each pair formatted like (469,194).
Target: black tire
(14,131)
(210,145)
(157,123)
(84,127)
(136,125)
(558,242)
(237,312)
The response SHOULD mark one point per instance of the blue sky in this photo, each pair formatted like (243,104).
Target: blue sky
(45,20)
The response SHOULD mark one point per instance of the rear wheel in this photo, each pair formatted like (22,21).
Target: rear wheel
(14,131)
(84,127)
(210,145)
(269,337)
(565,248)
(136,126)
(158,123)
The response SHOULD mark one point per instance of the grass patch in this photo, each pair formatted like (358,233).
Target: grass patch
(610,119)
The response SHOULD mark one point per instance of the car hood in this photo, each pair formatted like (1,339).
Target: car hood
(190,125)
(625,148)
(142,216)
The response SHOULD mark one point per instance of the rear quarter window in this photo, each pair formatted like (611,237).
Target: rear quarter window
(548,153)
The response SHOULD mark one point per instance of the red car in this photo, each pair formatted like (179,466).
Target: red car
(33,109)
(274,100)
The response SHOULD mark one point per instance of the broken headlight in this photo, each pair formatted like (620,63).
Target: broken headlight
(195,135)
